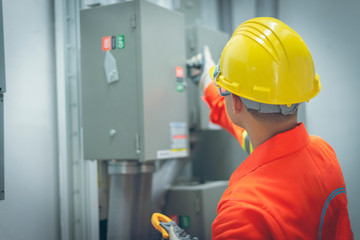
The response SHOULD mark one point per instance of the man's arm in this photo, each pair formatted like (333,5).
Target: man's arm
(240,220)
(219,116)
(215,101)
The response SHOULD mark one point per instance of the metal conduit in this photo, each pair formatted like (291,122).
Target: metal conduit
(129,200)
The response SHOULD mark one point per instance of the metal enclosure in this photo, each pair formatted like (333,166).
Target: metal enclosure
(142,115)
(2,90)
(191,10)
(2,174)
(194,207)
(197,37)
(2,54)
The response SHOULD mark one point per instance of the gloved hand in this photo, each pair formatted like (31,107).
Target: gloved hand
(199,66)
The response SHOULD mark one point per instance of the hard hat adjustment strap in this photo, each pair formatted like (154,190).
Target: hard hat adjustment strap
(270,108)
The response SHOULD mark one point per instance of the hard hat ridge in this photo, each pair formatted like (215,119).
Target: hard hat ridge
(260,34)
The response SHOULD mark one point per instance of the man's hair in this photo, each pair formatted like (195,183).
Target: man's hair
(271,117)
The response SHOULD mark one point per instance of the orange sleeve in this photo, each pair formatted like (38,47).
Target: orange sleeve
(241,220)
(218,114)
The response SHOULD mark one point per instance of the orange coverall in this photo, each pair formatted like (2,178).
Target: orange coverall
(290,187)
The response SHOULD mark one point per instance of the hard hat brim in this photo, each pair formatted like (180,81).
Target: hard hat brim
(211,72)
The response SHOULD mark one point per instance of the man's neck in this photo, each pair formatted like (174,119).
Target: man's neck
(260,132)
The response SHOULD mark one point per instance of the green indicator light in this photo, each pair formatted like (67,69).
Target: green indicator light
(184,221)
(179,87)
(120,41)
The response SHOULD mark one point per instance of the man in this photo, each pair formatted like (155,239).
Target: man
(291,186)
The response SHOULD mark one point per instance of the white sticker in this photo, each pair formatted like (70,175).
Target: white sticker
(111,71)
(178,135)
(169,154)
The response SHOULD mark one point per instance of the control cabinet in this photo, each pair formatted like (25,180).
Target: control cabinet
(134,98)
(2,90)
(193,207)
(2,175)
(192,10)
(197,36)
(2,54)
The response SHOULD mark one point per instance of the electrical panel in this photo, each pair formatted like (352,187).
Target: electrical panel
(193,207)
(134,98)
(192,10)
(2,90)
(2,177)
(2,54)
(197,36)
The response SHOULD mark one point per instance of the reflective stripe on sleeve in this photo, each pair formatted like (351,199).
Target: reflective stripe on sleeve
(246,144)
(326,205)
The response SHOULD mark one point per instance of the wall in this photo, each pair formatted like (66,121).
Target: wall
(330,29)
(30,208)
(242,10)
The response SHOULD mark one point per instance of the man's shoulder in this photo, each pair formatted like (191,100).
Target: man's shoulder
(319,143)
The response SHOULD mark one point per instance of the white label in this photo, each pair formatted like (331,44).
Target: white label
(178,135)
(169,154)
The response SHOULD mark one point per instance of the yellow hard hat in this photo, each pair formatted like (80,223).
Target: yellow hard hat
(266,61)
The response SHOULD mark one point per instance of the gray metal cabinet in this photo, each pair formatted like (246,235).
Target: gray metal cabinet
(140,111)
(2,90)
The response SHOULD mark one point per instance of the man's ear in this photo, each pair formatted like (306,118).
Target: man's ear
(237,104)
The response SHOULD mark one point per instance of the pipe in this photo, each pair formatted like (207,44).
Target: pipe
(143,218)
(130,200)
(122,199)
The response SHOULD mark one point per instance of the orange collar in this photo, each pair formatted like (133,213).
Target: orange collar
(276,147)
